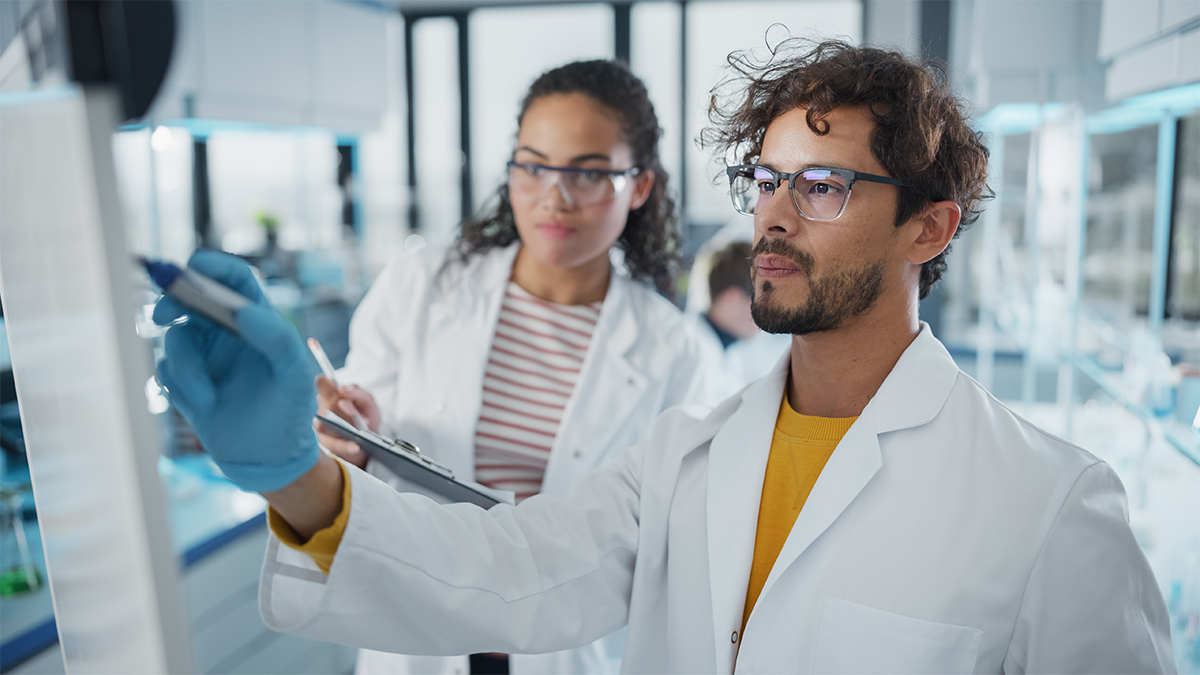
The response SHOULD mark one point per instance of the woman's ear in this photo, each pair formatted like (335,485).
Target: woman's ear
(643,184)
(938,223)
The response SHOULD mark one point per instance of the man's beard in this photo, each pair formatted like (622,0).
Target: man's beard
(834,297)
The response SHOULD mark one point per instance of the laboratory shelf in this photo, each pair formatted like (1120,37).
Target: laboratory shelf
(1176,433)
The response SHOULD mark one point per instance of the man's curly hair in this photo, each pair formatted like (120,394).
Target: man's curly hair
(650,241)
(921,135)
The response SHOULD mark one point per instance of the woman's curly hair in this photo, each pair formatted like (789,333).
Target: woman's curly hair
(650,240)
(921,134)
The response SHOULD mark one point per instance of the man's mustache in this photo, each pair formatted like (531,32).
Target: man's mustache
(781,247)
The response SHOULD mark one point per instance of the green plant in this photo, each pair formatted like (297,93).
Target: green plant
(268,221)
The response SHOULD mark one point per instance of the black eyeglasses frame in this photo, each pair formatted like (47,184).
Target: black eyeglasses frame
(778,177)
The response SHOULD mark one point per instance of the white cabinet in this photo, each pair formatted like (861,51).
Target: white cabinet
(290,63)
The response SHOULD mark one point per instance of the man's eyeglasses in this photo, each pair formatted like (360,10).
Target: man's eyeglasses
(819,193)
(578,186)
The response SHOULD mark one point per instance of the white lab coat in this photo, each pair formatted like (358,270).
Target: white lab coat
(419,342)
(945,534)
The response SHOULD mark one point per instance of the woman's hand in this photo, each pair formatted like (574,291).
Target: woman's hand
(345,402)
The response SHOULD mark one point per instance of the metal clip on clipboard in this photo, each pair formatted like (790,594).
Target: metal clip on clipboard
(408,462)
(402,446)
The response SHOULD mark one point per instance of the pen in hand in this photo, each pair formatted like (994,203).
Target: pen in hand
(327,370)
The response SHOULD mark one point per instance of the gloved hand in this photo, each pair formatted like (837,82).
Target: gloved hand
(250,399)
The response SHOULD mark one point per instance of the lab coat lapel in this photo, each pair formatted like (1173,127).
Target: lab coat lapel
(474,296)
(606,369)
(852,465)
(912,395)
(737,460)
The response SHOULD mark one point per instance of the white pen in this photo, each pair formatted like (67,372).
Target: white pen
(327,369)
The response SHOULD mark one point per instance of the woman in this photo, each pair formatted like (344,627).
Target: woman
(523,356)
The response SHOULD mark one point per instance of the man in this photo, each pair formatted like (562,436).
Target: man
(730,286)
(864,508)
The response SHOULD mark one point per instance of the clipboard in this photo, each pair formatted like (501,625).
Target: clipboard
(406,461)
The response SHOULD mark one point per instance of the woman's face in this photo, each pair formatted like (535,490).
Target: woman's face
(573,130)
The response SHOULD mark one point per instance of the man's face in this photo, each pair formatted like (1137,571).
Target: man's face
(813,276)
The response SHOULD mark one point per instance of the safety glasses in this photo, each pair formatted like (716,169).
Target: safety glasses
(578,186)
(818,193)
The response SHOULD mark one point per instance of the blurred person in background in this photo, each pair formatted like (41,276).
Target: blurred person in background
(729,287)
(528,353)
(744,352)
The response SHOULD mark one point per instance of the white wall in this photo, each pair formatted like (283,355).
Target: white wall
(894,24)
(714,30)
(509,49)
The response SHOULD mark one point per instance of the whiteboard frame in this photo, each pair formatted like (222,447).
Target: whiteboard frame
(81,373)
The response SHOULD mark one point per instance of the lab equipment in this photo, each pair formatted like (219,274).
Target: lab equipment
(197,292)
(407,462)
(260,372)
(327,369)
(20,576)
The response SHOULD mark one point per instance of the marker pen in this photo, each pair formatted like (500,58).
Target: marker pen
(196,291)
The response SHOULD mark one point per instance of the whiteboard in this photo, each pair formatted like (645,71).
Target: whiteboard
(81,371)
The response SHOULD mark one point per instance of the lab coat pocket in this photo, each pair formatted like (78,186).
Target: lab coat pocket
(854,638)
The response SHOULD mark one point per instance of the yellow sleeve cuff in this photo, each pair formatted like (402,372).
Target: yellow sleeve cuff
(323,545)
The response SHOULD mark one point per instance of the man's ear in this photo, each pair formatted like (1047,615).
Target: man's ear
(643,183)
(937,222)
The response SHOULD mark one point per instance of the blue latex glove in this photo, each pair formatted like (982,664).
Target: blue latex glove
(250,399)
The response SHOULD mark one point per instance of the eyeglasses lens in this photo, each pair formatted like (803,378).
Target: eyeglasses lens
(579,187)
(819,194)
(745,192)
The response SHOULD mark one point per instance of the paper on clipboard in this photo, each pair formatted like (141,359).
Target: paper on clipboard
(406,461)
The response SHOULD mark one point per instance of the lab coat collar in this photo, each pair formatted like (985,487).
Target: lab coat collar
(494,272)
(617,321)
(912,394)
(918,386)
(608,368)
(623,332)
(482,279)
(617,330)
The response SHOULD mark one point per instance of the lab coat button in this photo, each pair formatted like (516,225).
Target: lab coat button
(733,638)
(578,453)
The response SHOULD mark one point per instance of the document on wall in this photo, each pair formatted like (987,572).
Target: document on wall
(416,469)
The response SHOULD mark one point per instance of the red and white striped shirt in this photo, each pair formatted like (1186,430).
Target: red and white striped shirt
(535,360)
